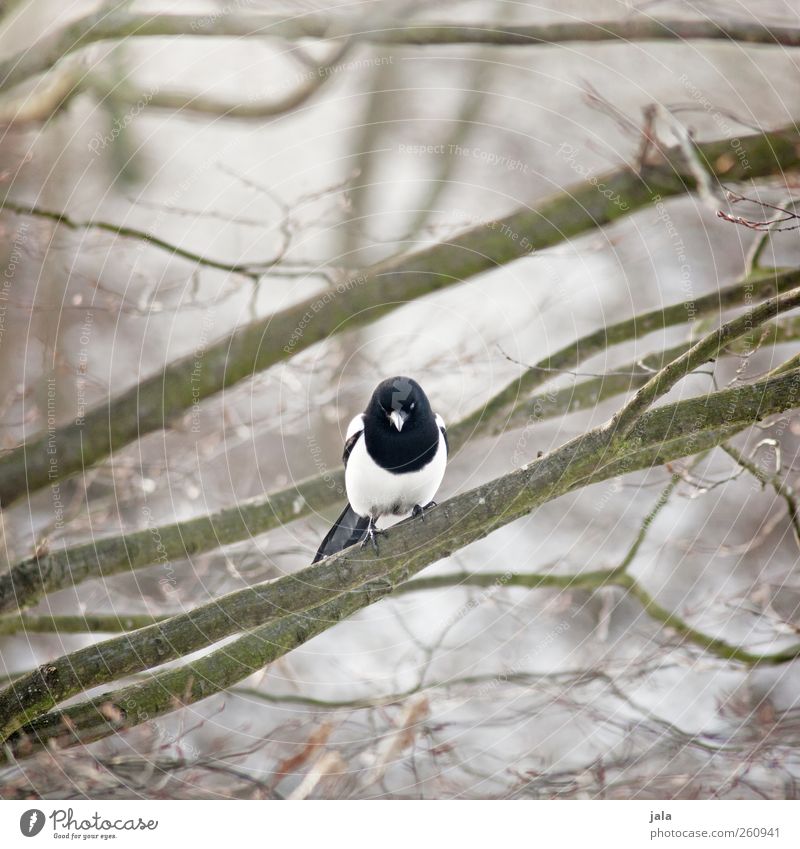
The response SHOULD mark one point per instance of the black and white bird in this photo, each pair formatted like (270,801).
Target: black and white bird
(395,454)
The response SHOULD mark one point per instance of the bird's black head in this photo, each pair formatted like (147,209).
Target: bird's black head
(400,404)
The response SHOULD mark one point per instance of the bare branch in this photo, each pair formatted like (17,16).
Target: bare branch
(515,397)
(154,402)
(121,24)
(192,103)
(620,577)
(27,581)
(781,487)
(253,270)
(785,221)
(706,349)
(45,101)
(353,579)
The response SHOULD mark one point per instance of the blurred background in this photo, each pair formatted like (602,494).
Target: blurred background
(457,692)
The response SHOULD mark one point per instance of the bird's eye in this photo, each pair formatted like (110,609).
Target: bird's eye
(413,405)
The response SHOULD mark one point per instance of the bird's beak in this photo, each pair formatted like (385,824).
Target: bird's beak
(398,419)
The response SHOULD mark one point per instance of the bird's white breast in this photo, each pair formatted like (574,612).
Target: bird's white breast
(372,491)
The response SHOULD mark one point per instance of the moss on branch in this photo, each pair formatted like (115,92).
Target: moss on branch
(346,582)
(22,623)
(27,581)
(157,400)
(513,405)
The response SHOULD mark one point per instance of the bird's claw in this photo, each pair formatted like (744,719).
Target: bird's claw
(420,511)
(371,536)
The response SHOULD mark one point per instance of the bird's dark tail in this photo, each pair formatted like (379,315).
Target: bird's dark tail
(348,529)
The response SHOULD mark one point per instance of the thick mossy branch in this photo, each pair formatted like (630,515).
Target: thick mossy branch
(339,585)
(703,351)
(27,581)
(121,24)
(170,690)
(109,623)
(159,399)
(512,406)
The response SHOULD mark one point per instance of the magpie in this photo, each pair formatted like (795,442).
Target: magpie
(395,454)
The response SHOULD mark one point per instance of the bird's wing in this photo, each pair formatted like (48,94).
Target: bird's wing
(443,429)
(354,431)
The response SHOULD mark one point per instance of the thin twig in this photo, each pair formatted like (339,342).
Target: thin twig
(253,270)
(350,581)
(781,487)
(770,225)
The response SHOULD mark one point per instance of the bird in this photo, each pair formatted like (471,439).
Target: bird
(395,454)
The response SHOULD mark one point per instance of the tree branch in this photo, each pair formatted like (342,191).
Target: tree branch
(27,581)
(515,396)
(44,101)
(618,576)
(253,270)
(198,104)
(706,349)
(88,623)
(121,24)
(346,582)
(781,487)
(151,404)
(610,577)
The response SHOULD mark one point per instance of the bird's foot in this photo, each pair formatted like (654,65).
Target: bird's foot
(420,511)
(372,536)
